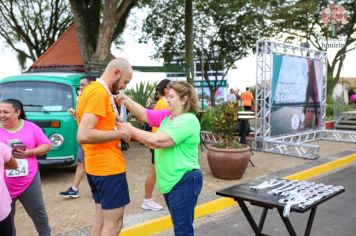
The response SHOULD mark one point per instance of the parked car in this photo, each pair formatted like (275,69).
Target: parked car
(47,96)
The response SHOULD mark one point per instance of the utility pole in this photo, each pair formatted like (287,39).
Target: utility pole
(189,43)
(202,71)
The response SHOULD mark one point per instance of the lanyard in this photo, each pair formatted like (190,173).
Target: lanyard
(112,102)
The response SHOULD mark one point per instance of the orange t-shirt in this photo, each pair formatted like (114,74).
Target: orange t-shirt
(160,105)
(247,98)
(104,158)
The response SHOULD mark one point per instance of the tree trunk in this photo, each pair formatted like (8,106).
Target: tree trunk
(95,38)
(83,26)
(212,96)
(102,53)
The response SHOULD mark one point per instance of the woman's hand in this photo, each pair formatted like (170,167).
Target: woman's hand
(120,99)
(20,153)
(126,130)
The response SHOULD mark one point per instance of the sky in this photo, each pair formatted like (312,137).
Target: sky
(139,55)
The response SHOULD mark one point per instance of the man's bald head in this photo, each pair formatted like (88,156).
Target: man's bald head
(119,63)
(118,73)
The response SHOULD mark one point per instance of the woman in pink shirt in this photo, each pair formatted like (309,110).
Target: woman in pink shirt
(28,142)
(7,161)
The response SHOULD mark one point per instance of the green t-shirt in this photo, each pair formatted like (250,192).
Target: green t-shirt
(173,162)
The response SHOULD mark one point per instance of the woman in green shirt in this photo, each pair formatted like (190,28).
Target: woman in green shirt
(176,142)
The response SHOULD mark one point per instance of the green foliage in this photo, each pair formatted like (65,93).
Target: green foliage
(224,123)
(142,92)
(301,21)
(224,31)
(350,107)
(330,111)
(331,82)
(205,122)
(30,27)
(329,108)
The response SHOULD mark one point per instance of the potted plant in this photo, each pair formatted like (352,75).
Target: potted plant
(228,159)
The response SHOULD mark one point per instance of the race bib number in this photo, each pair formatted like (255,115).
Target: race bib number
(22,169)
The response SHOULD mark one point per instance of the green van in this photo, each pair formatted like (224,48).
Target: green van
(47,96)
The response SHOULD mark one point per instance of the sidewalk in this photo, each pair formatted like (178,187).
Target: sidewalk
(266,164)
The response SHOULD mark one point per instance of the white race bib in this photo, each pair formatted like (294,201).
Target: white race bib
(22,169)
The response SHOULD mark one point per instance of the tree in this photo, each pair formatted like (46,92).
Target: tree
(229,30)
(301,21)
(36,24)
(98,24)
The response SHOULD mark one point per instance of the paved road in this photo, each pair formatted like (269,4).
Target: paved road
(336,217)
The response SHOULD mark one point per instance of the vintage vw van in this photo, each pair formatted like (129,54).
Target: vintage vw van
(47,96)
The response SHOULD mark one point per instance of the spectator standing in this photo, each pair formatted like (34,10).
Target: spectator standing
(73,192)
(350,93)
(8,162)
(247,99)
(148,203)
(105,164)
(231,97)
(25,185)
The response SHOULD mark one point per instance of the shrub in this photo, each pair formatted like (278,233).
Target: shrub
(223,123)
(142,92)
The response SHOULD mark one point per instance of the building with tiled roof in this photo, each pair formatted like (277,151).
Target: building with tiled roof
(64,54)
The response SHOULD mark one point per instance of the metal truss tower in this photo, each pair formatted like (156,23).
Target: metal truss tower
(294,144)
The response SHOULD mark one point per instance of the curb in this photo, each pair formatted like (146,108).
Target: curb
(163,223)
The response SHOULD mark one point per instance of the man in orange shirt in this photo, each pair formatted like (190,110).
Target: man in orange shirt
(104,163)
(247,100)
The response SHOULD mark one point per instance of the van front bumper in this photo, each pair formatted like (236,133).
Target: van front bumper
(56,161)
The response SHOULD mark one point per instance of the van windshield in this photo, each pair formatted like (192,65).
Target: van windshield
(39,96)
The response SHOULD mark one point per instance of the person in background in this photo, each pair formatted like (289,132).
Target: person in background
(6,161)
(105,164)
(73,192)
(247,99)
(25,185)
(176,142)
(350,93)
(148,203)
(237,93)
(231,97)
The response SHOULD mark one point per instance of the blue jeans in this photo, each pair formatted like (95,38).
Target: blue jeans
(181,202)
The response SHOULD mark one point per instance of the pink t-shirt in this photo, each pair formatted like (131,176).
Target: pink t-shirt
(32,136)
(5,199)
(353,98)
(155,117)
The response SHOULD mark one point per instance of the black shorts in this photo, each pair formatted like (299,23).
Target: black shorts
(152,156)
(110,191)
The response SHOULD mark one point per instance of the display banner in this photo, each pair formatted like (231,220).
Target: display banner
(204,93)
(296,94)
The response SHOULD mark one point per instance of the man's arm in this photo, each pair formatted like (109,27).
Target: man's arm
(87,133)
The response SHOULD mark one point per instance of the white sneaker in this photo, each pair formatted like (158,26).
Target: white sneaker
(149,204)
